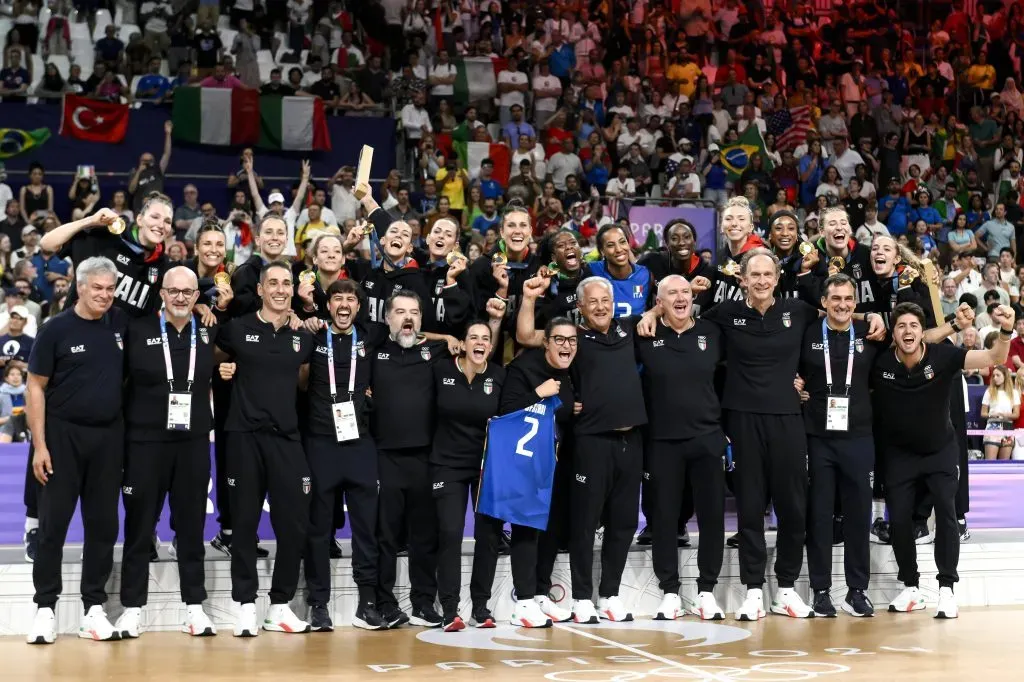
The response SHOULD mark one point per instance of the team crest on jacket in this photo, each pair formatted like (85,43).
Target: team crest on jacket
(361,349)
(307,485)
(488,386)
(119,340)
(702,342)
(296,343)
(858,273)
(859,345)
(204,334)
(786,320)
(622,332)
(154,275)
(929,373)
(425,354)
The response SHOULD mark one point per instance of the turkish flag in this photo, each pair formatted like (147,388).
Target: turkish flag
(93,120)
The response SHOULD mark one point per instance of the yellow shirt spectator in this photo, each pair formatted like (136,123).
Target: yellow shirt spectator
(982,76)
(686,75)
(455,190)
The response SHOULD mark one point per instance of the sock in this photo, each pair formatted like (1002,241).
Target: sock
(31,523)
(878,509)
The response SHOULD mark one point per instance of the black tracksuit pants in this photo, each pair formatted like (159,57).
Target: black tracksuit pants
(452,490)
(221,403)
(151,471)
(348,469)
(904,472)
(87,463)
(607,470)
(259,464)
(406,510)
(770,460)
(846,464)
(673,466)
(533,551)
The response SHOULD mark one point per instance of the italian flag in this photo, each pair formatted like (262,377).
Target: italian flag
(216,116)
(293,123)
(476,78)
(472,155)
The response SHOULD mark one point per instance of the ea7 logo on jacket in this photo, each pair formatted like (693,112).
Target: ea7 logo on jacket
(252,338)
(121,258)
(448,382)
(439,485)
(658,344)
(153,342)
(78,349)
(580,478)
(383,356)
(889,375)
(739,322)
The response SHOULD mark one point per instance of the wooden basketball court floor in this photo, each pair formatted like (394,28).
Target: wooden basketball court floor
(983,644)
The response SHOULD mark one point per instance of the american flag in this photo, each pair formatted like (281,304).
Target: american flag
(790,126)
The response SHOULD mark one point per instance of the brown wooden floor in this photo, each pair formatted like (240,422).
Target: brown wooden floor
(983,645)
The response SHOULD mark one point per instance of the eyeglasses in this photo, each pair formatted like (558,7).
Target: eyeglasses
(183,293)
(564,340)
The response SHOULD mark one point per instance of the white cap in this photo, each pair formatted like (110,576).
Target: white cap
(714,147)
(275,198)
(21,311)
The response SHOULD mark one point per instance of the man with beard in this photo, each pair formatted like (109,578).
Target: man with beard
(341,453)
(680,258)
(800,272)
(171,360)
(264,454)
(924,449)
(837,242)
(403,394)
(566,269)
(737,224)
(448,281)
(73,401)
(630,282)
(683,453)
(607,478)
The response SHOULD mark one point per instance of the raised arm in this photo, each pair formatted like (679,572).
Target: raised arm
(527,333)
(1002,317)
(59,236)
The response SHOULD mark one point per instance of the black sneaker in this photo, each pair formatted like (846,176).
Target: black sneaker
(402,551)
(335,546)
(965,534)
(733,540)
(880,531)
(683,539)
(482,618)
(426,617)
(320,618)
(368,618)
(837,531)
(822,606)
(154,554)
(222,543)
(393,617)
(644,537)
(260,552)
(921,534)
(505,543)
(858,605)
(452,623)
(31,545)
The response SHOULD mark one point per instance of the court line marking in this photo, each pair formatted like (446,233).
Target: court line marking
(704,675)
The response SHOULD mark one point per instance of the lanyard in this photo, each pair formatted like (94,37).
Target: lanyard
(167,352)
(351,366)
(828,358)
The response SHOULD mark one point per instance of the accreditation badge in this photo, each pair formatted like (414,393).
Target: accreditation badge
(837,413)
(345,426)
(179,411)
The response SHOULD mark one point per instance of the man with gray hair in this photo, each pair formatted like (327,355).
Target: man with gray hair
(73,402)
(610,409)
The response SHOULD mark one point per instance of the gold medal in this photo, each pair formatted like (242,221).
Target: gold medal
(454,256)
(222,279)
(499,259)
(553,269)
(368,228)
(837,262)
(907,276)
(730,268)
(118,226)
(806,248)
(307,277)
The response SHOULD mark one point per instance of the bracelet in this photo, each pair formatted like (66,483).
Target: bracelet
(1006,332)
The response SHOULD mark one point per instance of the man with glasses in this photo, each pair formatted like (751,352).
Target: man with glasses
(171,359)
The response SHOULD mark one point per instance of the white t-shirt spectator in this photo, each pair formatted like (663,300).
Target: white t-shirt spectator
(847,165)
(560,165)
(416,121)
(620,189)
(157,24)
(641,137)
(851,87)
(867,233)
(535,156)
(547,82)
(443,71)
(688,184)
(743,123)
(507,99)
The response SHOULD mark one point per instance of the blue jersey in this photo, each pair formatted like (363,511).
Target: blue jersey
(519,465)
(630,293)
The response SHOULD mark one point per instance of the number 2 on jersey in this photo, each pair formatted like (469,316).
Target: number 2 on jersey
(525,440)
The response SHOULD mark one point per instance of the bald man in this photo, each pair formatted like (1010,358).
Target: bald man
(171,358)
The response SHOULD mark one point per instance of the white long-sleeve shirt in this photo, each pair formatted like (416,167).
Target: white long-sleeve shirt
(416,121)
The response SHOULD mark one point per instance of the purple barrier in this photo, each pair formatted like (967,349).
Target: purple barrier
(643,219)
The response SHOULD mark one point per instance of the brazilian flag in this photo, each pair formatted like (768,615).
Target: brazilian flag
(736,157)
(14,141)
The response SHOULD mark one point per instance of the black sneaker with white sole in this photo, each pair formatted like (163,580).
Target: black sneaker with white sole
(837,531)
(644,536)
(393,616)
(822,606)
(482,618)
(260,552)
(31,545)
(733,540)
(880,531)
(965,534)
(320,618)
(425,616)
(368,617)
(335,548)
(922,536)
(683,538)
(858,605)
(222,543)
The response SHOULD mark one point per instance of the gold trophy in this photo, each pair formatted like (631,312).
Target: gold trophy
(453,256)
(806,248)
(222,279)
(907,276)
(118,226)
(499,259)
(837,262)
(730,268)
(307,277)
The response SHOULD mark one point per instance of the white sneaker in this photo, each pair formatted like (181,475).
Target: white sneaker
(44,627)
(752,607)
(910,599)
(947,604)
(197,623)
(281,618)
(129,625)
(671,607)
(95,625)
(583,611)
(245,621)
(556,613)
(788,603)
(707,608)
(527,614)
(611,608)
